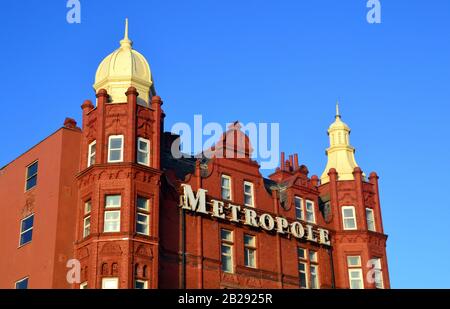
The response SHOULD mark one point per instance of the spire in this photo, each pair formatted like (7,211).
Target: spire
(126,42)
(340,153)
(338,115)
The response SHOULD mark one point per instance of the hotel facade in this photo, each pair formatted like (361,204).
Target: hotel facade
(107,205)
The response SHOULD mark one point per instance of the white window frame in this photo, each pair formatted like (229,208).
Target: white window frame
(379,284)
(316,280)
(108,206)
(371,219)
(230,181)
(86,226)
(91,154)
(145,282)
(360,276)
(110,279)
(27,230)
(353,217)
(110,149)
(87,207)
(250,248)
(252,193)
(147,224)
(147,153)
(146,204)
(115,220)
(230,244)
(305,264)
(355,268)
(299,208)
(84,285)
(309,202)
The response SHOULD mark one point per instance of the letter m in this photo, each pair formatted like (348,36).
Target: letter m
(191,202)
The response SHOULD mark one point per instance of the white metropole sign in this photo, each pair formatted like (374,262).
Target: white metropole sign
(197,203)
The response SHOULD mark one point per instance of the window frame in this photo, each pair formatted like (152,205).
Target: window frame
(27,279)
(142,281)
(28,177)
(379,270)
(84,285)
(138,150)
(105,279)
(230,244)
(250,248)
(351,268)
(313,211)
(26,231)
(104,220)
(91,154)
(110,149)
(230,181)
(252,188)
(140,222)
(372,212)
(107,206)
(350,279)
(300,209)
(343,208)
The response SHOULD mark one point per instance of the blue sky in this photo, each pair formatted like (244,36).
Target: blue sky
(265,61)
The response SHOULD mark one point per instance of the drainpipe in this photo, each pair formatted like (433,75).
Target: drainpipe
(183,248)
(333,278)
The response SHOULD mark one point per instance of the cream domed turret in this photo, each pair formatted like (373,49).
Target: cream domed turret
(122,69)
(341,155)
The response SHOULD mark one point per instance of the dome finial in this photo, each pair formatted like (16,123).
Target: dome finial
(338,114)
(126,42)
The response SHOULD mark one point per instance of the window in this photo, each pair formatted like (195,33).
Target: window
(250,251)
(87,219)
(142,216)
(303,277)
(370,220)
(112,221)
(31,176)
(83,286)
(86,226)
(142,224)
(379,284)
(355,274)
(299,208)
(115,150)
(140,284)
(226,188)
(142,203)
(248,194)
(313,270)
(143,151)
(91,153)
(110,283)
(26,230)
(308,269)
(113,201)
(87,207)
(310,217)
(227,250)
(349,218)
(22,284)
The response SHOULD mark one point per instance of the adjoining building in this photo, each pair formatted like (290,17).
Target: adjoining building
(110,201)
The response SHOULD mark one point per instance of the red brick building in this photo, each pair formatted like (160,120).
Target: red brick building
(112,196)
